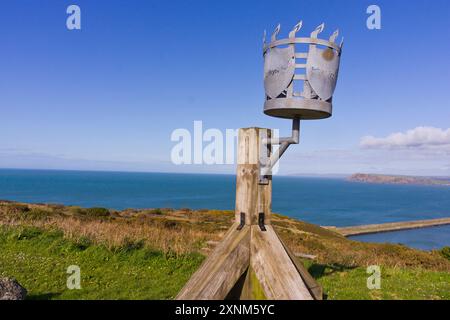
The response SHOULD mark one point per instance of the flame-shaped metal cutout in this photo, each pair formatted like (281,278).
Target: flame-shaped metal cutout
(296,29)
(275,33)
(318,30)
(334,36)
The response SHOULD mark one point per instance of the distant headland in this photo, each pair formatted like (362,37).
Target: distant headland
(393,179)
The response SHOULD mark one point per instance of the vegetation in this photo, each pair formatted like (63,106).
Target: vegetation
(390,179)
(150,254)
(445,252)
(340,282)
(97,212)
(39,261)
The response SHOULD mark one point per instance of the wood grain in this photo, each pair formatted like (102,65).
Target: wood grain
(221,270)
(252,198)
(315,289)
(274,269)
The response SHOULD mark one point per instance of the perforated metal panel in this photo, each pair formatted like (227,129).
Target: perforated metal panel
(301,84)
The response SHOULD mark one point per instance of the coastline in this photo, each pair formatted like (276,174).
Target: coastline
(322,201)
(398,179)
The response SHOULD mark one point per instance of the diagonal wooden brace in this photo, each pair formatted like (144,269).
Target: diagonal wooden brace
(223,268)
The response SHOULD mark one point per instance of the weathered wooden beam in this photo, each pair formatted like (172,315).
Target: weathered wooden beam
(251,197)
(274,268)
(221,270)
(252,289)
(315,289)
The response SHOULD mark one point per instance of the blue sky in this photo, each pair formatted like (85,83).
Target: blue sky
(108,97)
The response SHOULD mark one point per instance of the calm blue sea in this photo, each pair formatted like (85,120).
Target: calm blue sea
(323,201)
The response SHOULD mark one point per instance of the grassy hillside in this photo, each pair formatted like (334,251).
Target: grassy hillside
(150,254)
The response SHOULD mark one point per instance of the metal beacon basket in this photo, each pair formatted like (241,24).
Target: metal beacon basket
(300,84)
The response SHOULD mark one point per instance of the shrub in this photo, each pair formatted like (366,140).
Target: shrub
(26,233)
(129,245)
(74,210)
(170,224)
(156,211)
(36,213)
(82,243)
(55,206)
(17,208)
(445,252)
(97,212)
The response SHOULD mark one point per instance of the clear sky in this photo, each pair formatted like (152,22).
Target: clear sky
(108,96)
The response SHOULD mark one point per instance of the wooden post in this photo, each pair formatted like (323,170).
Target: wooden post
(252,199)
(251,262)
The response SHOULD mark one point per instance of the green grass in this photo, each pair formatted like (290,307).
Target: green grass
(341,283)
(39,261)
(151,253)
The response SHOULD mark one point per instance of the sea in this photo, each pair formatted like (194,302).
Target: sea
(322,201)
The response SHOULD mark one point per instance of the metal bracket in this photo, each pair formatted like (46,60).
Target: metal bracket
(242,222)
(284,143)
(261,221)
(264,180)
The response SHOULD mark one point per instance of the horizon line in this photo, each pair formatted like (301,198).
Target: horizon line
(219,173)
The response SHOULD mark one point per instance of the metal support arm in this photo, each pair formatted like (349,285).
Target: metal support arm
(284,143)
